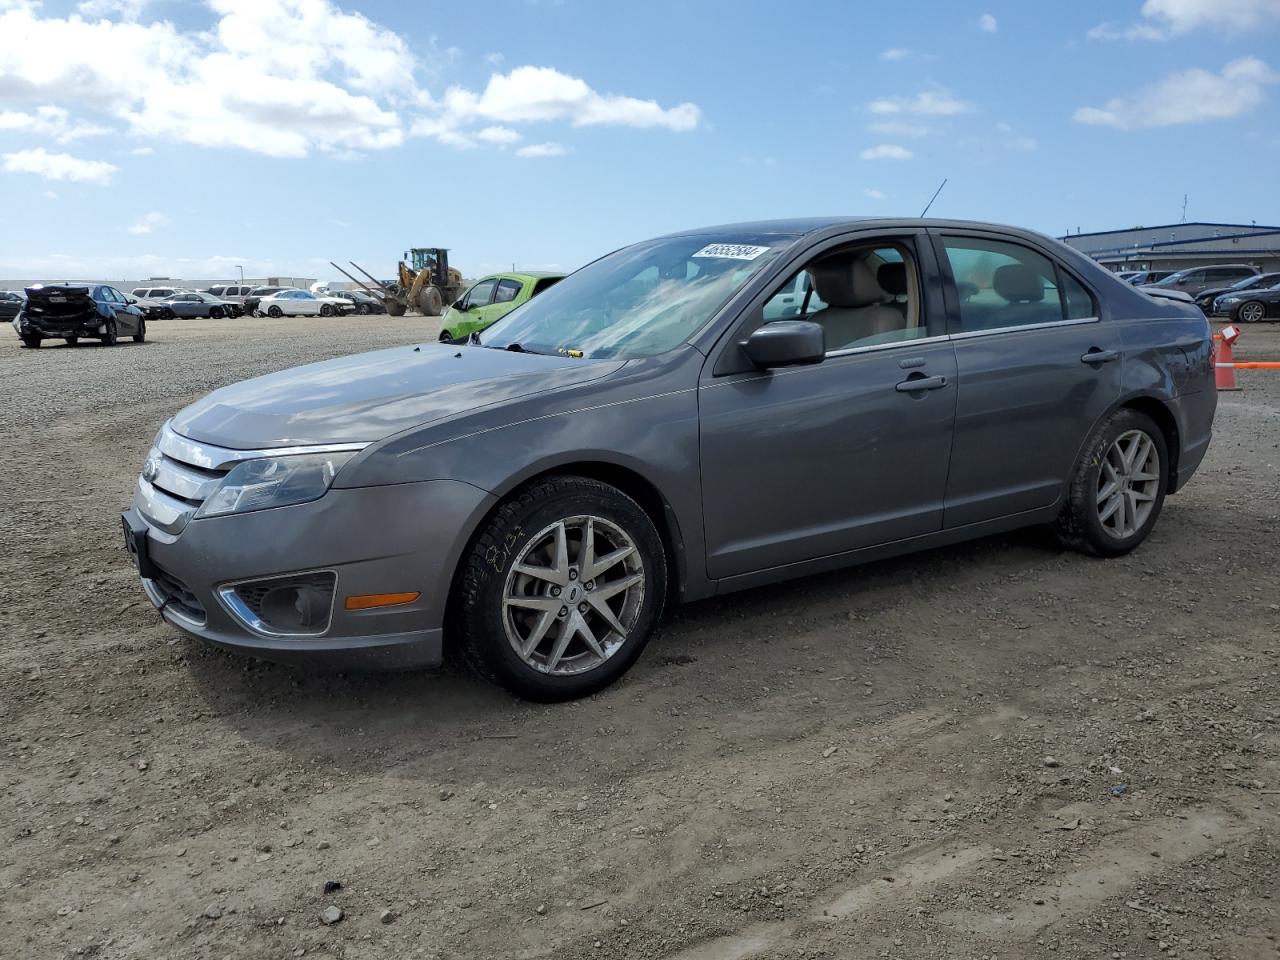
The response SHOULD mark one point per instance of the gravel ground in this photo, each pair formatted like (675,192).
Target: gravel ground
(990,750)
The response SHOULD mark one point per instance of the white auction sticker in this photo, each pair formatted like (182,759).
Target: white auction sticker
(731,251)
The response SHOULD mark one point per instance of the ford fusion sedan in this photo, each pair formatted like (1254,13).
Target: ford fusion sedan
(69,312)
(688,416)
(303,303)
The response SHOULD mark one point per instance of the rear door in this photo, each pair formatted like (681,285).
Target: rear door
(506,297)
(1036,369)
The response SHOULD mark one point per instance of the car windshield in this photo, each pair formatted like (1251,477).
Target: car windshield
(1171,279)
(1266,280)
(638,302)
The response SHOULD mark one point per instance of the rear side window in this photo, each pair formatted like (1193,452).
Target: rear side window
(1003,284)
(508,290)
(543,284)
(1080,305)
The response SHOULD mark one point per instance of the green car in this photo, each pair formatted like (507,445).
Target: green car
(491,298)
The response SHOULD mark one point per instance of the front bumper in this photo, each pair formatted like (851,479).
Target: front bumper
(389,539)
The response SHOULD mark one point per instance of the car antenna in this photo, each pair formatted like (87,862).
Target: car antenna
(934,197)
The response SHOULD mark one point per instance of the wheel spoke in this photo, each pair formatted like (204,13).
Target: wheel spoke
(1108,491)
(1141,495)
(1112,506)
(1143,477)
(615,587)
(535,603)
(537,633)
(588,637)
(607,615)
(608,562)
(567,630)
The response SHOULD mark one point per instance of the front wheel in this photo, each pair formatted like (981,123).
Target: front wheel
(1252,312)
(326,310)
(561,590)
(274,312)
(215,313)
(141,335)
(1118,487)
(31,341)
(71,341)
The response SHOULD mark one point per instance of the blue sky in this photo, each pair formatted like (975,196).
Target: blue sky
(182,138)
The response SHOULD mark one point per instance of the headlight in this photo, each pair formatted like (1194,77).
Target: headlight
(274,482)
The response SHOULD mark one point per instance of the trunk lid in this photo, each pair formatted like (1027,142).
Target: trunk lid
(59,300)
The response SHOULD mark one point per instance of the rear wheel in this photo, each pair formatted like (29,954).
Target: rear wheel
(1252,312)
(561,590)
(111,337)
(71,341)
(430,302)
(326,310)
(395,308)
(274,312)
(31,341)
(141,335)
(215,313)
(1118,488)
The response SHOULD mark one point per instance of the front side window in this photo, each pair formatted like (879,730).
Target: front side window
(640,301)
(481,293)
(508,290)
(860,295)
(1003,284)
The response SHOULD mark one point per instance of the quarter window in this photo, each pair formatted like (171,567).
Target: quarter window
(1003,284)
(508,290)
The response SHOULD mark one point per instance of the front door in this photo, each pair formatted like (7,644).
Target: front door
(1036,369)
(805,462)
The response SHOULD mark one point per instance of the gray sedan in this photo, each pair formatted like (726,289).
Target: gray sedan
(189,305)
(692,415)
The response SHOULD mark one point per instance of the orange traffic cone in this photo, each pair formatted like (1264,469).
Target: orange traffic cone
(1224,371)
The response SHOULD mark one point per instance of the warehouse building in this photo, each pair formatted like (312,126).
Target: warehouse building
(1177,246)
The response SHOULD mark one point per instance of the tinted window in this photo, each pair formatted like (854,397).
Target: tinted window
(544,283)
(1002,284)
(508,290)
(481,293)
(139,293)
(1079,300)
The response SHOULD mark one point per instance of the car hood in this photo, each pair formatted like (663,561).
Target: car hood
(371,396)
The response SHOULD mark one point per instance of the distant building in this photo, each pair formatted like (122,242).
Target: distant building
(1179,245)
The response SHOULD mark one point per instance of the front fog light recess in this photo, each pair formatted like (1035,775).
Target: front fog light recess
(299,605)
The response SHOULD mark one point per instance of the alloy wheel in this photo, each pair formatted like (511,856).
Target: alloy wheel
(1252,312)
(1128,484)
(573,595)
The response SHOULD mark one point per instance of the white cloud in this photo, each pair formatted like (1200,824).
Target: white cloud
(899,128)
(873,193)
(498,135)
(148,222)
(895,53)
(1192,96)
(142,151)
(542,150)
(927,103)
(49,195)
(1162,19)
(532,94)
(284,78)
(886,151)
(57,166)
(987,23)
(52,122)
(494,59)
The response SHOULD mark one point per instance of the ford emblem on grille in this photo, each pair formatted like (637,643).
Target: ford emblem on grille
(150,469)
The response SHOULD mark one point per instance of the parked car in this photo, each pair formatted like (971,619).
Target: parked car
(1132,276)
(490,299)
(231,292)
(10,304)
(1249,306)
(303,303)
(71,311)
(255,295)
(152,301)
(642,432)
(1196,279)
(187,306)
(363,302)
(1205,299)
(1151,276)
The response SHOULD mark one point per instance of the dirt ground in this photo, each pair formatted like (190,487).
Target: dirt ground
(992,750)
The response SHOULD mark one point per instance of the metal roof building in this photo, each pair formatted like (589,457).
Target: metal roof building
(1179,245)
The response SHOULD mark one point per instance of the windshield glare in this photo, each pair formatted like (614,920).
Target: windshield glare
(638,302)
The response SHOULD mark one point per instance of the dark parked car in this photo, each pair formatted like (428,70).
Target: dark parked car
(70,311)
(250,302)
(1196,279)
(363,302)
(1249,306)
(10,304)
(189,305)
(665,425)
(1205,298)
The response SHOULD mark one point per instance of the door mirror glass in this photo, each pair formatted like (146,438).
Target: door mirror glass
(786,343)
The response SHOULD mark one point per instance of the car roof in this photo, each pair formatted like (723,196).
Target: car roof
(803,226)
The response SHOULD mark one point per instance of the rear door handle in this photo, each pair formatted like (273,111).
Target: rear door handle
(912,384)
(1100,356)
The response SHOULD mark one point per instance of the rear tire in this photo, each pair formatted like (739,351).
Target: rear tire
(430,302)
(71,341)
(326,310)
(111,337)
(141,335)
(1104,481)
(30,341)
(501,609)
(215,313)
(274,312)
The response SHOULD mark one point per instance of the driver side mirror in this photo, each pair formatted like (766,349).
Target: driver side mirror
(462,305)
(786,343)
(131,299)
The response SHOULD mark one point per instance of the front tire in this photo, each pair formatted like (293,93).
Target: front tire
(31,341)
(395,308)
(141,335)
(326,310)
(215,313)
(71,341)
(1118,488)
(1252,312)
(274,312)
(561,590)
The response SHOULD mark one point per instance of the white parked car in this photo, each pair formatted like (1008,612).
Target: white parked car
(300,303)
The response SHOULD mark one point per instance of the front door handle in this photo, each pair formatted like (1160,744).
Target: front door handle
(912,384)
(1100,356)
